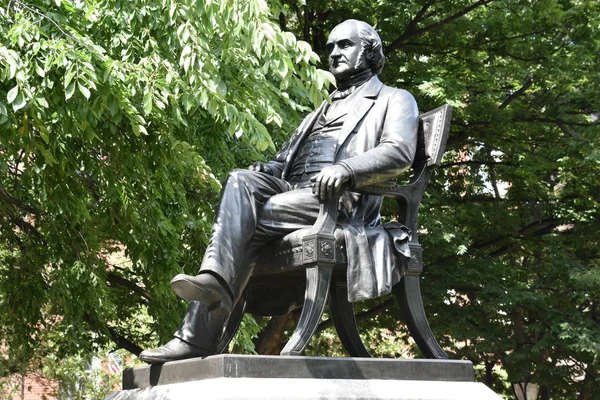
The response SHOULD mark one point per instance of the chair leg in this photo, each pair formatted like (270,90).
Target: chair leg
(233,323)
(342,313)
(408,293)
(318,280)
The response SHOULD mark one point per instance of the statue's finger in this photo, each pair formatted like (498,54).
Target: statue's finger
(331,187)
(317,186)
(323,189)
(337,186)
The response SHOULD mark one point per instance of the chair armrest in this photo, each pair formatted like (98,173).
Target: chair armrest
(327,219)
(319,245)
(407,195)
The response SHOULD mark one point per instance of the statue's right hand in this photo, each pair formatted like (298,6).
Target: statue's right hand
(260,166)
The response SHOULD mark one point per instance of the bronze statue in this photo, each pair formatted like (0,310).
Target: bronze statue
(368,134)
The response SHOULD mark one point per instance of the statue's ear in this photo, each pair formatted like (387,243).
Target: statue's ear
(370,53)
(372,49)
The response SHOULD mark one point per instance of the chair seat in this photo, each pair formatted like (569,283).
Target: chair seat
(287,254)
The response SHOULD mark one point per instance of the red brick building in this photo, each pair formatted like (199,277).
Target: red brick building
(31,387)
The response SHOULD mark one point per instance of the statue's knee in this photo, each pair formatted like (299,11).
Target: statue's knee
(238,175)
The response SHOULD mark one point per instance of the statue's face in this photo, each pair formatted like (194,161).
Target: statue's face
(346,57)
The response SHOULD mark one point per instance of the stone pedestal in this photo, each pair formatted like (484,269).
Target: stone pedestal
(276,377)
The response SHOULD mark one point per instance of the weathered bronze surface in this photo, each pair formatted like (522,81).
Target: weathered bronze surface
(366,136)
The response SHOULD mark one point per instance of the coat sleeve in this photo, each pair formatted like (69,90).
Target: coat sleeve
(397,145)
(277,162)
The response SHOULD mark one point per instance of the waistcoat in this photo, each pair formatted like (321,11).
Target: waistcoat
(318,149)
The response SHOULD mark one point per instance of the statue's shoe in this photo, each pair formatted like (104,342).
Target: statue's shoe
(204,288)
(174,350)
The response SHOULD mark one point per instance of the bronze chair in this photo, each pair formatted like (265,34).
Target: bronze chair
(306,267)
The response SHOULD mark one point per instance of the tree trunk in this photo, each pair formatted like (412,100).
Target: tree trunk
(269,341)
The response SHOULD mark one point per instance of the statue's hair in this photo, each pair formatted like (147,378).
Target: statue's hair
(371,43)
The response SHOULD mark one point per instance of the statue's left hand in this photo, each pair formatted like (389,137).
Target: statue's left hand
(329,181)
(260,166)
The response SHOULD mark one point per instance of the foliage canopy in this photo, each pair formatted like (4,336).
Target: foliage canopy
(117,120)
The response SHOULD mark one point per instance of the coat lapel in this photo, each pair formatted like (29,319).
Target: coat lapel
(360,107)
(338,113)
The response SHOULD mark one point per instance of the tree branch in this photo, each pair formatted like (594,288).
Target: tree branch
(558,121)
(282,22)
(25,227)
(527,59)
(539,227)
(17,171)
(494,182)
(371,312)
(516,94)
(123,343)
(306,25)
(396,43)
(509,38)
(269,340)
(118,280)
(16,202)
(482,198)
(409,28)
(473,162)
(41,15)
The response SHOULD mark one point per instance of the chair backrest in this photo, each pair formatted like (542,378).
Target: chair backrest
(434,127)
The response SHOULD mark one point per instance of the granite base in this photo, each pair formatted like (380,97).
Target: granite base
(275,377)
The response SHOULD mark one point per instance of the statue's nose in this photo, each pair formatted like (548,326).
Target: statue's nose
(335,52)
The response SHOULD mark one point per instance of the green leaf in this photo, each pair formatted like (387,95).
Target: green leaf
(19,102)
(12,94)
(12,64)
(139,130)
(40,71)
(50,159)
(69,91)
(42,102)
(69,76)
(113,106)
(84,91)
(221,89)
(47,154)
(44,135)
(147,101)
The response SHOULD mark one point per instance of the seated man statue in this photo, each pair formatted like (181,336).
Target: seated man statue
(368,134)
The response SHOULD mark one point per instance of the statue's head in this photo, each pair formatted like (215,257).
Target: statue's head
(354,46)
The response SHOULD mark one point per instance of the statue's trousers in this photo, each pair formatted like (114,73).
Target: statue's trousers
(255,208)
